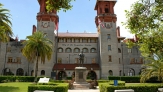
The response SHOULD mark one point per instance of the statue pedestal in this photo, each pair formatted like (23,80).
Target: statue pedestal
(80,78)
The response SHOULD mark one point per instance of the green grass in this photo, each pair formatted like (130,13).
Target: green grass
(14,87)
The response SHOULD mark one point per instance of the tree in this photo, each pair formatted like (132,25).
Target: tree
(58,5)
(153,69)
(37,47)
(145,20)
(5,24)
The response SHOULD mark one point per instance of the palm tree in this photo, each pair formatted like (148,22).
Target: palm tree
(5,24)
(37,47)
(154,68)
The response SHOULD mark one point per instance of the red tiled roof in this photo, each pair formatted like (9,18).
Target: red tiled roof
(72,66)
(77,35)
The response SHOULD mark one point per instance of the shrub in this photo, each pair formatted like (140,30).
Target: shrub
(57,88)
(104,87)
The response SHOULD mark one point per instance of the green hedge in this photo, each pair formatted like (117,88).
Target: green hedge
(127,79)
(17,78)
(104,87)
(62,87)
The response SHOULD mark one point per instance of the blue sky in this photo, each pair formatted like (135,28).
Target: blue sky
(81,18)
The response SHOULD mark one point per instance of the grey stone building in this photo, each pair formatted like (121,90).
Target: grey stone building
(106,53)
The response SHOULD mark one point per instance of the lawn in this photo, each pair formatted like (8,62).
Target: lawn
(14,87)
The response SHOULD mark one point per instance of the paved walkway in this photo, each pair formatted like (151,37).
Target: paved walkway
(89,90)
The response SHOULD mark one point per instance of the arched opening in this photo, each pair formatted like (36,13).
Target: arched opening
(32,73)
(7,71)
(92,75)
(20,72)
(76,50)
(62,75)
(68,50)
(60,50)
(42,72)
(110,73)
(131,72)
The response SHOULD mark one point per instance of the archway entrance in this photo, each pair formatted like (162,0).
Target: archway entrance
(131,72)
(7,71)
(20,72)
(92,75)
(62,75)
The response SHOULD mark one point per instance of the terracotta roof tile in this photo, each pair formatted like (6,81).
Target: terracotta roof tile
(77,35)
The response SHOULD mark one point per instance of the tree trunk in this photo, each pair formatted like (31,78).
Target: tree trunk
(36,69)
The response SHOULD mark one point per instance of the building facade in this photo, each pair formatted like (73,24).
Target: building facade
(105,52)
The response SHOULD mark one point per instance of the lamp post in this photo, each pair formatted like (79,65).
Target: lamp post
(122,60)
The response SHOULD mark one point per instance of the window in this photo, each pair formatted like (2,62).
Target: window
(119,60)
(60,50)
(110,73)
(61,40)
(76,50)
(106,10)
(100,10)
(77,40)
(9,59)
(129,50)
(85,40)
(42,72)
(8,49)
(93,60)
(18,59)
(109,36)
(132,61)
(93,50)
(110,60)
(77,60)
(119,50)
(93,40)
(85,50)
(68,50)
(109,47)
(59,60)
(20,72)
(141,60)
(69,40)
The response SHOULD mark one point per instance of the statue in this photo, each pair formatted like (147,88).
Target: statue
(81,58)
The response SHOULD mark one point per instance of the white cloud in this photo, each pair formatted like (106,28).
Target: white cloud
(119,8)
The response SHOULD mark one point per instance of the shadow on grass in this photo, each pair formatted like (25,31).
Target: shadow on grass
(8,89)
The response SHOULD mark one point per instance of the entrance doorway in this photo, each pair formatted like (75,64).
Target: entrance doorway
(92,75)
(62,75)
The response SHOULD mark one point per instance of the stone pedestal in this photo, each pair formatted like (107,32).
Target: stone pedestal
(80,78)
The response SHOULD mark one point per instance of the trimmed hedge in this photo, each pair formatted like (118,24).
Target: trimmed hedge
(62,87)
(104,87)
(127,79)
(17,78)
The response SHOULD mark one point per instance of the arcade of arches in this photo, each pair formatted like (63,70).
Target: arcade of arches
(62,75)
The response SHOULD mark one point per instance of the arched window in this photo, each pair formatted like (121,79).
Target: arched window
(119,50)
(20,72)
(32,73)
(85,50)
(68,50)
(42,72)
(110,73)
(60,50)
(76,50)
(93,50)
